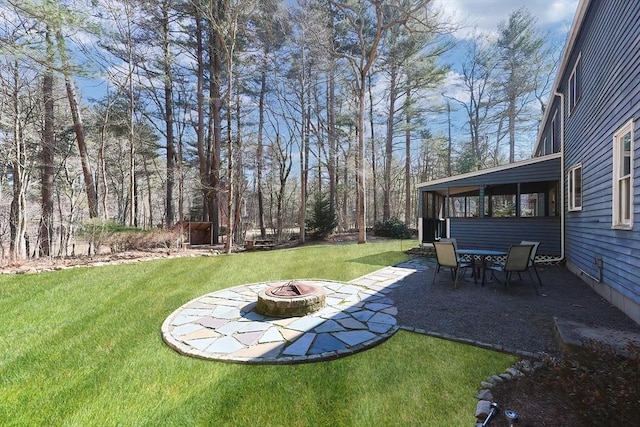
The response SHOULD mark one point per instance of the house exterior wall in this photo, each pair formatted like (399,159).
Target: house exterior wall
(608,46)
(493,232)
(550,138)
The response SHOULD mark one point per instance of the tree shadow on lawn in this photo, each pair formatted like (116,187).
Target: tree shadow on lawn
(383,259)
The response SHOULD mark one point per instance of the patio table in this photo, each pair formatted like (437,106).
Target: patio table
(479,257)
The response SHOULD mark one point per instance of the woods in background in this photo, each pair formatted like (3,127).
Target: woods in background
(244,113)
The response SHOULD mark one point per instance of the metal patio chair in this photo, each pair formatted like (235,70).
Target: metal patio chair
(453,240)
(518,261)
(446,257)
(532,259)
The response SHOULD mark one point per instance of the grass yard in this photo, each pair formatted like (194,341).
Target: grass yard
(83,347)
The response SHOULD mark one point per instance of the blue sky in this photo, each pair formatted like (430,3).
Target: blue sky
(554,17)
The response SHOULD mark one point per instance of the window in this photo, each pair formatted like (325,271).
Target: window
(574,191)
(575,85)
(503,205)
(623,177)
(464,206)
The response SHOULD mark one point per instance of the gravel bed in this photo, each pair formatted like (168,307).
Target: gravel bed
(514,319)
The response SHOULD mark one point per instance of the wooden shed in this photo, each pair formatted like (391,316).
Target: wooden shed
(197,233)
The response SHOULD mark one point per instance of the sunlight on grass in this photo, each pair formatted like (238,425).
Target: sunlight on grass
(83,347)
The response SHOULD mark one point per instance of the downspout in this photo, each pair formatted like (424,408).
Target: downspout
(447,213)
(420,214)
(562,176)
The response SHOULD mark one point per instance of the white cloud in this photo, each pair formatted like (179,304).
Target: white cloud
(485,15)
(559,11)
(452,89)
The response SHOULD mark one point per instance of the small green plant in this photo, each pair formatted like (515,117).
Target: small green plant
(323,219)
(393,228)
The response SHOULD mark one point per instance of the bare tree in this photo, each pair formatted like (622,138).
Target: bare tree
(78,126)
(409,61)
(48,152)
(22,103)
(519,46)
(477,75)
(271,28)
(361,27)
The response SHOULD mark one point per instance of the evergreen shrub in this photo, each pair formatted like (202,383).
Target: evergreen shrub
(322,220)
(393,228)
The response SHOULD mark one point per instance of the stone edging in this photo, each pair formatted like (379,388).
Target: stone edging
(502,349)
(485,396)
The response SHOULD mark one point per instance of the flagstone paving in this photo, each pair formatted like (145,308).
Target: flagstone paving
(224,325)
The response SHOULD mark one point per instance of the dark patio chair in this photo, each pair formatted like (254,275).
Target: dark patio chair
(532,259)
(446,257)
(518,261)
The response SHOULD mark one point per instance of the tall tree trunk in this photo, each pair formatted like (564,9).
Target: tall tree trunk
(374,166)
(388,148)
(133,202)
(215,75)
(305,170)
(228,244)
(103,187)
(202,157)
(332,140)
(360,171)
(229,56)
(48,151)
(239,167)
(17,220)
(147,176)
(180,179)
(407,160)
(512,128)
(304,161)
(78,127)
(168,113)
(259,148)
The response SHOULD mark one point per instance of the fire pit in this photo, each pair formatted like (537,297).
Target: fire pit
(291,299)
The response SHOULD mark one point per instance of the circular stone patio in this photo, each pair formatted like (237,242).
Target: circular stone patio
(224,325)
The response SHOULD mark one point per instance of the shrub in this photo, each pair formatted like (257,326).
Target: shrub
(393,228)
(120,238)
(323,219)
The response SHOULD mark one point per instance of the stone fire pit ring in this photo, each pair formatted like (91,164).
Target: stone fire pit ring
(292,299)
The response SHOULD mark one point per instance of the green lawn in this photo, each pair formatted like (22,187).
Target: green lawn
(83,347)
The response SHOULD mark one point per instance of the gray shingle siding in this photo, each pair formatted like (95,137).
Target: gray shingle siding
(609,45)
(499,233)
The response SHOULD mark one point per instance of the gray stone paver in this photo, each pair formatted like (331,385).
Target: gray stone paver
(224,326)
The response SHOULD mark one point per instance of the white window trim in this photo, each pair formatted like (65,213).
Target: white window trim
(571,89)
(616,221)
(571,191)
(554,136)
